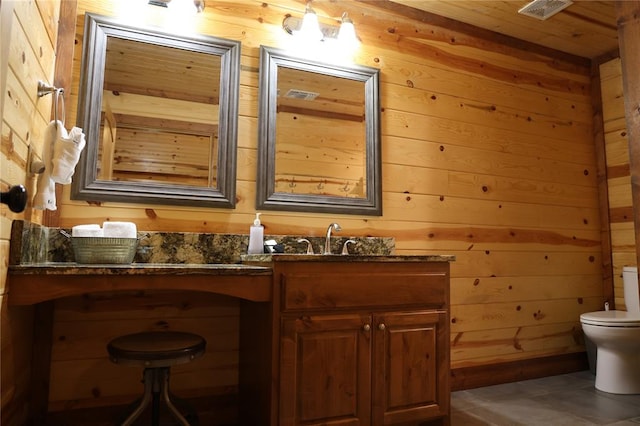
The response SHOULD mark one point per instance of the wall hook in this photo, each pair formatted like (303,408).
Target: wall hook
(36,165)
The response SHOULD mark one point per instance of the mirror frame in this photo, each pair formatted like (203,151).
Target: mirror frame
(86,186)
(266,197)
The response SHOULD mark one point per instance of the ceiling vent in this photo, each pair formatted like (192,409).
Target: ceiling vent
(543,9)
(301,94)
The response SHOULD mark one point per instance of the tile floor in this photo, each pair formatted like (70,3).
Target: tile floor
(564,400)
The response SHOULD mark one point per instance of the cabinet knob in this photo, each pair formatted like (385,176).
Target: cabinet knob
(366,327)
(381,326)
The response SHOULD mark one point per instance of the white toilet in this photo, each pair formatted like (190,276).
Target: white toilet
(616,335)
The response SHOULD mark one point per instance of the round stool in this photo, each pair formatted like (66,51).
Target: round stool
(156,351)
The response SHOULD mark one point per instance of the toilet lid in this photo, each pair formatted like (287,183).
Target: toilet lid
(611,318)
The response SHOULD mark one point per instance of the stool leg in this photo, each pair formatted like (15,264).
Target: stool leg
(158,383)
(167,400)
(148,384)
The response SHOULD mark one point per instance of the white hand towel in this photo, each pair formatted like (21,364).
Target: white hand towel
(93,230)
(119,229)
(45,198)
(66,153)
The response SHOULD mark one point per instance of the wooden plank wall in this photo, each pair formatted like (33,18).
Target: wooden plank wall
(487,154)
(623,244)
(81,374)
(28,40)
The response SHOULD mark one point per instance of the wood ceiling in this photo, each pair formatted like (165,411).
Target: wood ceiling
(586,28)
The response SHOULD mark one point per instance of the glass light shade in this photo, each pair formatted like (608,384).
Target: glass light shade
(347,34)
(310,28)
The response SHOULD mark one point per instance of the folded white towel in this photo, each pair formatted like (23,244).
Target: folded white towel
(66,153)
(119,229)
(93,230)
(45,198)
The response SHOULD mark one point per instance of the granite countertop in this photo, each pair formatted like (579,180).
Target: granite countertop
(72,268)
(266,258)
(40,250)
(33,244)
(248,268)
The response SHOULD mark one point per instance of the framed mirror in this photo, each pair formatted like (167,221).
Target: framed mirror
(319,136)
(159,112)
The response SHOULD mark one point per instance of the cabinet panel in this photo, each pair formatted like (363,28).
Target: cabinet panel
(410,379)
(331,285)
(325,370)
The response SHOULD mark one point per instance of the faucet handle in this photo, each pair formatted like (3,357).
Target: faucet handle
(345,249)
(309,245)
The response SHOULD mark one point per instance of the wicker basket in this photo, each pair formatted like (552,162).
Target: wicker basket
(104,249)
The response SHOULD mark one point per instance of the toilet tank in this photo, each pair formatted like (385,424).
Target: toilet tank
(631,292)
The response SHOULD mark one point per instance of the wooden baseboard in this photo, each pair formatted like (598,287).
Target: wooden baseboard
(513,371)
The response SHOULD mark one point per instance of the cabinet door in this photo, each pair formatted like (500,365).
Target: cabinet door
(410,367)
(325,370)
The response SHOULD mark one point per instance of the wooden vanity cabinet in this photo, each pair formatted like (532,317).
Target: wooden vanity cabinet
(363,343)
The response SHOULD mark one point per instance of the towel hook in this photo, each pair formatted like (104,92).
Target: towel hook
(45,89)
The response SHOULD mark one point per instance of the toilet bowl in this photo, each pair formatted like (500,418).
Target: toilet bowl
(616,335)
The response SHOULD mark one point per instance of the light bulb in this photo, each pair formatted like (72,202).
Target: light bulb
(347,33)
(310,28)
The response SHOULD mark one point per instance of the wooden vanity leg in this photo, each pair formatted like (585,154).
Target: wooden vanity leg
(255,379)
(41,363)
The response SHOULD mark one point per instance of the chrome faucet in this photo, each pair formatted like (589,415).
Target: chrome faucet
(309,246)
(327,242)
(345,247)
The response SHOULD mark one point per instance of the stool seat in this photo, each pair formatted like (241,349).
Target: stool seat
(156,348)
(157,352)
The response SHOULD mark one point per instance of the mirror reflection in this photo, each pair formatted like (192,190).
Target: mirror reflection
(160,115)
(162,129)
(319,147)
(329,156)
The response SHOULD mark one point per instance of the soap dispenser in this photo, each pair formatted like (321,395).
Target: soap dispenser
(256,237)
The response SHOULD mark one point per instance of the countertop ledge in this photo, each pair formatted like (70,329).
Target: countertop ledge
(248,268)
(265,258)
(72,268)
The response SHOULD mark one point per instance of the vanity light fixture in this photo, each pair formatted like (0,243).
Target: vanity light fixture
(309,28)
(198,4)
